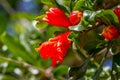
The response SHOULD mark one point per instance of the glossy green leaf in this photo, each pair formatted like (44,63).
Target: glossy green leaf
(90,15)
(62,6)
(108,17)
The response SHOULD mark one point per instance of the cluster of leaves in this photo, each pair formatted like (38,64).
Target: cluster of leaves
(87,39)
(19,37)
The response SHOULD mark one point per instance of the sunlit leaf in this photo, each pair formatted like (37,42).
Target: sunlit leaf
(41,25)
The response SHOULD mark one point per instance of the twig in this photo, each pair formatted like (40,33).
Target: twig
(46,74)
(101,64)
(23,64)
(7,7)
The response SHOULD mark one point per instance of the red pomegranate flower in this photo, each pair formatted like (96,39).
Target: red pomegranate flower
(55,48)
(56,17)
(75,17)
(117,12)
(110,32)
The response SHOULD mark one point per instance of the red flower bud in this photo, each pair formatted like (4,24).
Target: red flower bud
(75,17)
(56,17)
(110,32)
(55,48)
(117,12)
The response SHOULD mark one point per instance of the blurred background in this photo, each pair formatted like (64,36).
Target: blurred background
(19,37)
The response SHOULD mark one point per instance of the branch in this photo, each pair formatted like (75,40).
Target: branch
(46,74)
(23,64)
(7,7)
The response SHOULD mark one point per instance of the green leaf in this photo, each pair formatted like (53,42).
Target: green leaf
(108,17)
(83,5)
(89,16)
(39,18)
(87,21)
(41,25)
(79,4)
(73,36)
(62,7)
(69,4)
(61,70)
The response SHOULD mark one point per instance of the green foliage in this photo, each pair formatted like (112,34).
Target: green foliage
(108,17)
(83,4)
(13,44)
(87,21)
(61,6)
(90,15)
